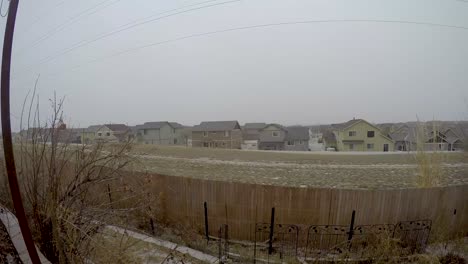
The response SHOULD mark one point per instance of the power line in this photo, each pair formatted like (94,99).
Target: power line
(69,22)
(128,26)
(265,26)
(37,19)
(1,8)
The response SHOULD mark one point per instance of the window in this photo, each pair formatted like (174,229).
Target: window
(300,142)
(99,134)
(370,134)
(205,134)
(352,133)
(205,144)
(290,143)
(370,146)
(275,133)
(226,133)
(351,146)
(108,134)
(173,131)
(145,132)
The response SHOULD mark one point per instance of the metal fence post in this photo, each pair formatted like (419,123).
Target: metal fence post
(226,237)
(272,224)
(351,226)
(206,222)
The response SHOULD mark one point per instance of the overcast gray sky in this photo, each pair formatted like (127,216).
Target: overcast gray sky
(306,73)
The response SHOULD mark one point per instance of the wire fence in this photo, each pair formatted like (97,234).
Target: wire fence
(281,243)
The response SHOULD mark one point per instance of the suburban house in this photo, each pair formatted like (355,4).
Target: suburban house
(89,134)
(112,133)
(60,134)
(428,137)
(297,138)
(277,137)
(357,135)
(217,134)
(160,133)
(272,137)
(251,135)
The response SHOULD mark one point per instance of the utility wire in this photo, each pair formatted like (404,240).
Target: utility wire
(39,18)
(1,7)
(128,26)
(69,22)
(210,33)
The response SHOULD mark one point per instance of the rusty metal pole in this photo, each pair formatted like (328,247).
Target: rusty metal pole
(6,133)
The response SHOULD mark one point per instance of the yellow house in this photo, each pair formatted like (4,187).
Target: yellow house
(89,134)
(360,135)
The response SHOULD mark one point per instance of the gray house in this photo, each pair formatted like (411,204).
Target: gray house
(160,133)
(297,138)
(251,135)
(272,137)
(277,137)
(432,137)
(217,134)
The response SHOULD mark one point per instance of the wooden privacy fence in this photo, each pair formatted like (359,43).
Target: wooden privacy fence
(242,205)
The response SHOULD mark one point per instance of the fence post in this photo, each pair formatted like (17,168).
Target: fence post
(255,241)
(220,245)
(206,222)
(272,224)
(351,226)
(226,239)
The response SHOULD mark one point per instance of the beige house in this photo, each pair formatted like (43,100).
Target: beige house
(88,135)
(217,134)
(358,135)
(106,133)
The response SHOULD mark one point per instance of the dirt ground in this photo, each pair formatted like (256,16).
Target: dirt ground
(303,169)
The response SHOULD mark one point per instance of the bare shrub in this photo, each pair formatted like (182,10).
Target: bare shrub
(428,157)
(59,183)
(452,259)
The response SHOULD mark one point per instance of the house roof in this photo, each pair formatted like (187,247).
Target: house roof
(117,127)
(158,125)
(297,133)
(452,140)
(254,125)
(153,125)
(175,125)
(251,134)
(398,136)
(216,126)
(93,129)
(275,125)
(342,126)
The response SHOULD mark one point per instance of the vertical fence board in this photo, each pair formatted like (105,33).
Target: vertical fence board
(251,203)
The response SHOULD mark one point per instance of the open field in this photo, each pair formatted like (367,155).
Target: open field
(308,169)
